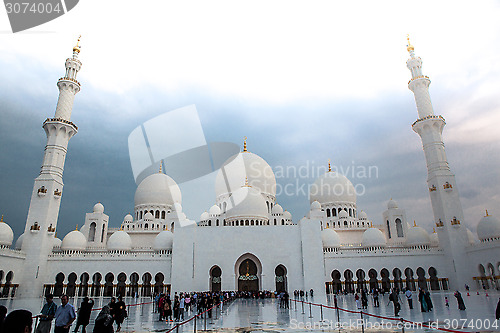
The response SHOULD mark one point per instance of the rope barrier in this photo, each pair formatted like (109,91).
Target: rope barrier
(383,317)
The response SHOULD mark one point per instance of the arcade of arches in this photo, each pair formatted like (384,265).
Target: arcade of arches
(107,285)
(354,281)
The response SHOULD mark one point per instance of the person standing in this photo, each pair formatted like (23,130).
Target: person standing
(409,297)
(182,303)
(65,316)
(356,298)
(375,298)
(3,313)
(364,299)
(421,299)
(167,308)
(18,321)
(47,314)
(120,313)
(104,321)
(394,298)
(428,300)
(460,300)
(176,308)
(84,314)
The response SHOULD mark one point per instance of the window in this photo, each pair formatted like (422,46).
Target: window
(92,232)
(399,228)
(388,229)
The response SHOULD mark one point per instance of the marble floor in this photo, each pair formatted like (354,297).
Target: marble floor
(247,315)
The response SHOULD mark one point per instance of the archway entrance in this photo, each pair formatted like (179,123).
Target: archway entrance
(248,273)
(280,277)
(215,278)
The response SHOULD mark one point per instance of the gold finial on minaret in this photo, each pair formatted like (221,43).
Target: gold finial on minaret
(409,47)
(161,170)
(77,46)
(433,230)
(1,220)
(329,166)
(414,223)
(485,215)
(246,182)
(245,145)
(55,235)
(76,227)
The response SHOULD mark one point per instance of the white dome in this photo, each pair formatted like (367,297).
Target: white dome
(6,234)
(164,240)
(330,238)
(392,204)
(332,187)
(157,189)
(417,236)
(363,216)
(343,214)
(98,208)
(214,210)
(204,216)
(434,238)
(56,242)
(74,241)
(247,165)
(119,241)
(470,237)
(488,227)
(373,237)
(287,215)
(19,242)
(148,217)
(277,209)
(315,205)
(249,203)
(128,218)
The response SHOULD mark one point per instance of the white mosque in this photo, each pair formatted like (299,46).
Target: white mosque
(246,240)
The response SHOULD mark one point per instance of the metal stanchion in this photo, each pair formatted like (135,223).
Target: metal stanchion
(295,301)
(310,310)
(196,317)
(321,309)
(177,329)
(302,307)
(205,319)
(402,325)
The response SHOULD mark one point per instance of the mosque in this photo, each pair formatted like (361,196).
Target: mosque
(246,240)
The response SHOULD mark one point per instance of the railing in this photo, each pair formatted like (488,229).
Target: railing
(400,322)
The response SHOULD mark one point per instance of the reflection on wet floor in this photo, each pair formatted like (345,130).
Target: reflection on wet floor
(248,315)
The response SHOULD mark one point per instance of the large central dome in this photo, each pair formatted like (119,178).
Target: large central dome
(158,189)
(332,187)
(245,165)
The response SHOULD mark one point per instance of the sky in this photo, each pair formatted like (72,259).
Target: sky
(304,81)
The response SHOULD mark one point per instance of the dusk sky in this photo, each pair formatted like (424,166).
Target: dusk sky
(304,81)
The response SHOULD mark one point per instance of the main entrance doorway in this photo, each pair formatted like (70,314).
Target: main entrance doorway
(248,270)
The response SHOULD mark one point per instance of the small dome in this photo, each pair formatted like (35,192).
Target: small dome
(343,214)
(6,234)
(157,188)
(74,241)
(19,242)
(119,241)
(392,204)
(277,209)
(330,238)
(164,240)
(488,227)
(204,216)
(362,216)
(56,242)
(98,208)
(315,205)
(434,238)
(417,236)
(148,216)
(249,202)
(287,215)
(373,237)
(214,210)
(128,218)
(332,187)
(470,237)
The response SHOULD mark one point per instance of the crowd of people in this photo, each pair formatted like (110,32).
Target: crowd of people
(180,306)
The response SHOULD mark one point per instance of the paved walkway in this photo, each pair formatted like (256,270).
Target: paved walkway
(247,315)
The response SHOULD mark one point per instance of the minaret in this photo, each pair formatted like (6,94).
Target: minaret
(47,191)
(443,189)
